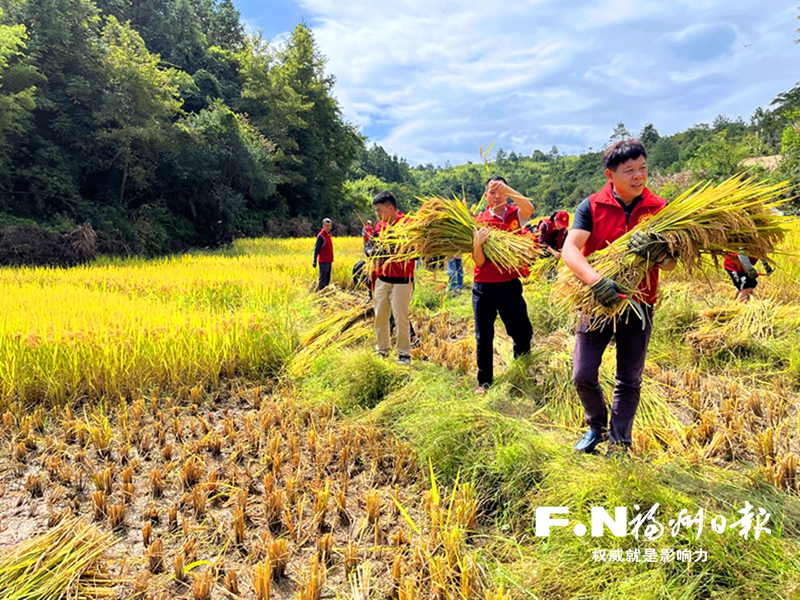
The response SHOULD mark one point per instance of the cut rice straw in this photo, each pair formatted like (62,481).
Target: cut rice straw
(61,563)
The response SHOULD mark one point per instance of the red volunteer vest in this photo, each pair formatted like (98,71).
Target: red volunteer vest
(399,269)
(489,272)
(550,236)
(368,232)
(326,252)
(732,262)
(608,224)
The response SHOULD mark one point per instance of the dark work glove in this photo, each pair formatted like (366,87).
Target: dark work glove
(607,292)
(648,245)
(768,268)
(752,273)
(314,264)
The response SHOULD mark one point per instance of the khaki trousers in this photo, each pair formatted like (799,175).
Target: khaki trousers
(393,299)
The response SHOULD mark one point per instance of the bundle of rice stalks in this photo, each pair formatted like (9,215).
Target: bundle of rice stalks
(337,330)
(444,228)
(707,221)
(739,324)
(62,563)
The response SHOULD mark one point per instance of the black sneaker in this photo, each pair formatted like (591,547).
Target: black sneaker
(590,440)
(404,360)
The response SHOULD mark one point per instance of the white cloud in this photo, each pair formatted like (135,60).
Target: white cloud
(433,81)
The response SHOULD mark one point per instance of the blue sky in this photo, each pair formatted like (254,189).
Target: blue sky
(434,81)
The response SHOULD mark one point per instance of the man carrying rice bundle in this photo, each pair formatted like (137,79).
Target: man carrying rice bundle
(496,290)
(599,220)
(393,287)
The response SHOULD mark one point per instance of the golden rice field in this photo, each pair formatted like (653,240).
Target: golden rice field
(211,433)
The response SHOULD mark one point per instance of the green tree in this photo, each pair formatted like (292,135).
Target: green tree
(50,163)
(620,133)
(720,157)
(288,96)
(15,104)
(649,136)
(223,177)
(140,99)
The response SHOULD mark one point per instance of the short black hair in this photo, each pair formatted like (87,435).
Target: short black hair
(496,178)
(384,198)
(622,151)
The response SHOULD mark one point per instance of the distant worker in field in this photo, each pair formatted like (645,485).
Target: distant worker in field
(743,274)
(498,291)
(393,288)
(367,232)
(599,220)
(323,253)
(553,231)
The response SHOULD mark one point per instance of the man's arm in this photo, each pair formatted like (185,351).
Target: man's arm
(749,267)
(478,239)
(574,258)
(525,206)
(317,248)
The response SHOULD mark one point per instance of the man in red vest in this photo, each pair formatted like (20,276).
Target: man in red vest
(495,290)
(393,288)
(367,232)
(599,220)
(323,253)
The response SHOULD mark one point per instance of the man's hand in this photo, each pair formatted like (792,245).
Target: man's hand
(751,273)
(314,264)
(501,188)
(481,235)
(768,268)
(649,246)
(607,292)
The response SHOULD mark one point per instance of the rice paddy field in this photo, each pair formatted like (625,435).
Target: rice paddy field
(209,426)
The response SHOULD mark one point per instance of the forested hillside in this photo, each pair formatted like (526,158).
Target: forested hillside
(164,125)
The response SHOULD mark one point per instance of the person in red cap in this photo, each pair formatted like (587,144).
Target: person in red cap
(742,271)
(553,232)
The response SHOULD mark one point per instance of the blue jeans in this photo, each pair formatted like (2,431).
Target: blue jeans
(455,274)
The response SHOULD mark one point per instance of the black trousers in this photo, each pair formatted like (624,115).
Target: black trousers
(505,299)
(324,274)
(632,341)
